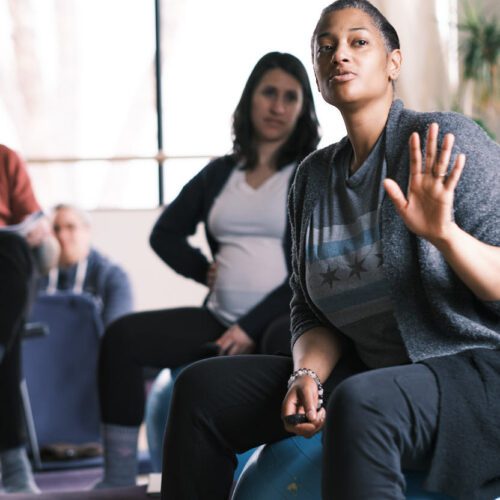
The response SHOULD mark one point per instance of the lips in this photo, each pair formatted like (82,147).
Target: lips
(273,122)
(342,76)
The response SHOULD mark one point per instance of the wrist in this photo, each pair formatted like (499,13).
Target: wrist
(448,238)
(307,372)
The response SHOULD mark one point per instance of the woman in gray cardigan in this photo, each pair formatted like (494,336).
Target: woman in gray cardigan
(396,300)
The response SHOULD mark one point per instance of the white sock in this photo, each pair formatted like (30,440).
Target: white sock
(120,456)
(17,476)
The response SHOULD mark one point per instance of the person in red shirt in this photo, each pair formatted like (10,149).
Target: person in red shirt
(17,271)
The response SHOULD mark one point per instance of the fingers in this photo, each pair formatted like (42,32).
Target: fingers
(431,147)
(291,404)
(302,398)
(415,154)
(441,167)
(230,344)
(395,194)
(225,342)
(452,180)
(308,428)
(435,164)
(211,274)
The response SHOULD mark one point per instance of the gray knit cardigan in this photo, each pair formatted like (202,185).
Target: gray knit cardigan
(436,313)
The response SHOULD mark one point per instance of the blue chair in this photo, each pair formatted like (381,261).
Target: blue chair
(291,469)
(157,406)
(60,369)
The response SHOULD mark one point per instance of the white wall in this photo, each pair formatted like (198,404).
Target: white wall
(123,236)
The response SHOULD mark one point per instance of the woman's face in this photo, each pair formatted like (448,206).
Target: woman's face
(351,62)
(276,106)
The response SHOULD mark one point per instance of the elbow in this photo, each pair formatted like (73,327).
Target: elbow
(154,239)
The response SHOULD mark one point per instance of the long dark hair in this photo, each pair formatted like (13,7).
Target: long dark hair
(305,136)
(387,30)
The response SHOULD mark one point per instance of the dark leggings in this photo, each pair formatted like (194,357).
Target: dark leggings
(377,421)
(16,280)
(166,338)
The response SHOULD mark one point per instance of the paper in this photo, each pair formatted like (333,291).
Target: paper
(24,227)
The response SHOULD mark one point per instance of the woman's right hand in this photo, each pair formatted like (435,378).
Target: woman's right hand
(211,275)
(302,397)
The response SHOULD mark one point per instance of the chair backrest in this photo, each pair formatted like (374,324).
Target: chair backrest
(61,369)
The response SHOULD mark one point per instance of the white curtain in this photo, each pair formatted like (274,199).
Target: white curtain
(428,34)
(77,80)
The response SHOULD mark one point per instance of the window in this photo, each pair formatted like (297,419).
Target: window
(77,88)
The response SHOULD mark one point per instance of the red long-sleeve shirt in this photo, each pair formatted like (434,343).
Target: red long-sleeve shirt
(17,199)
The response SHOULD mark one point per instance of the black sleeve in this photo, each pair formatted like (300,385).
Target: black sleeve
(169,238)
(302,318)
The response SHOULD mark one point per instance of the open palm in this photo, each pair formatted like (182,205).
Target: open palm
(428,206)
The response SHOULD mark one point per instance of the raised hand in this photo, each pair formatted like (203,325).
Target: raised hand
(428,206)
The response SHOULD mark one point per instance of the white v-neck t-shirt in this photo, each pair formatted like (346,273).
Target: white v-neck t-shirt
(249,225)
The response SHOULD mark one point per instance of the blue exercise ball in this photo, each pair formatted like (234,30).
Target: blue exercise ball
(291,469)
(157,406)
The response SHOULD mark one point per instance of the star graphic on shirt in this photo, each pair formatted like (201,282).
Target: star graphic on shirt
(330,276)
(380,258)
(357,267)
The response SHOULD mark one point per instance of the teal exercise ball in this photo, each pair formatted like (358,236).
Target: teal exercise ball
(157,406)
(291,469)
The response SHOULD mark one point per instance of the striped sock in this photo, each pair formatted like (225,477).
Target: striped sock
(17,476)
(120,456)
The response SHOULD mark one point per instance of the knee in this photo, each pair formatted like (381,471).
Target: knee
(116,332)
(350,399)
(195,389)
(193,382)
(115,341)
(357,407)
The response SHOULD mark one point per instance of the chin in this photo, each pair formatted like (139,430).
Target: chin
(274,137)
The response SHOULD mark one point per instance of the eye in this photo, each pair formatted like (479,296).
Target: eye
(361,42)
(291,96)
(324,49)
(269,91)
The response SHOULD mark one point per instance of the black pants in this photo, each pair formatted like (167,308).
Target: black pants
(377,422)
(161,339)
(16,285)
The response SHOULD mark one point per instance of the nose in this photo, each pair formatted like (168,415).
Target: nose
(341,54)
(278,105)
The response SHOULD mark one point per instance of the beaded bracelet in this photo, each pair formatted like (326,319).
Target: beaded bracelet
(310,373)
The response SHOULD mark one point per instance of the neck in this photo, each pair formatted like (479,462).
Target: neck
(266,153)
(66,261)
(364,126)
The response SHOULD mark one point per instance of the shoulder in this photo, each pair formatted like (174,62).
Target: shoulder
(213,174)
(470,138)
(466,131)
(449,122)
(5,151)
(220,166)
(102,263)
(10,160)
(311,179)
(317,163)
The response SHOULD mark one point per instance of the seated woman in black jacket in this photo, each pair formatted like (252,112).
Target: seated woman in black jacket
(241,198)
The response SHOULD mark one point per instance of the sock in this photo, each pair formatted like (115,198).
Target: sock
(17,476)
(120,456)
